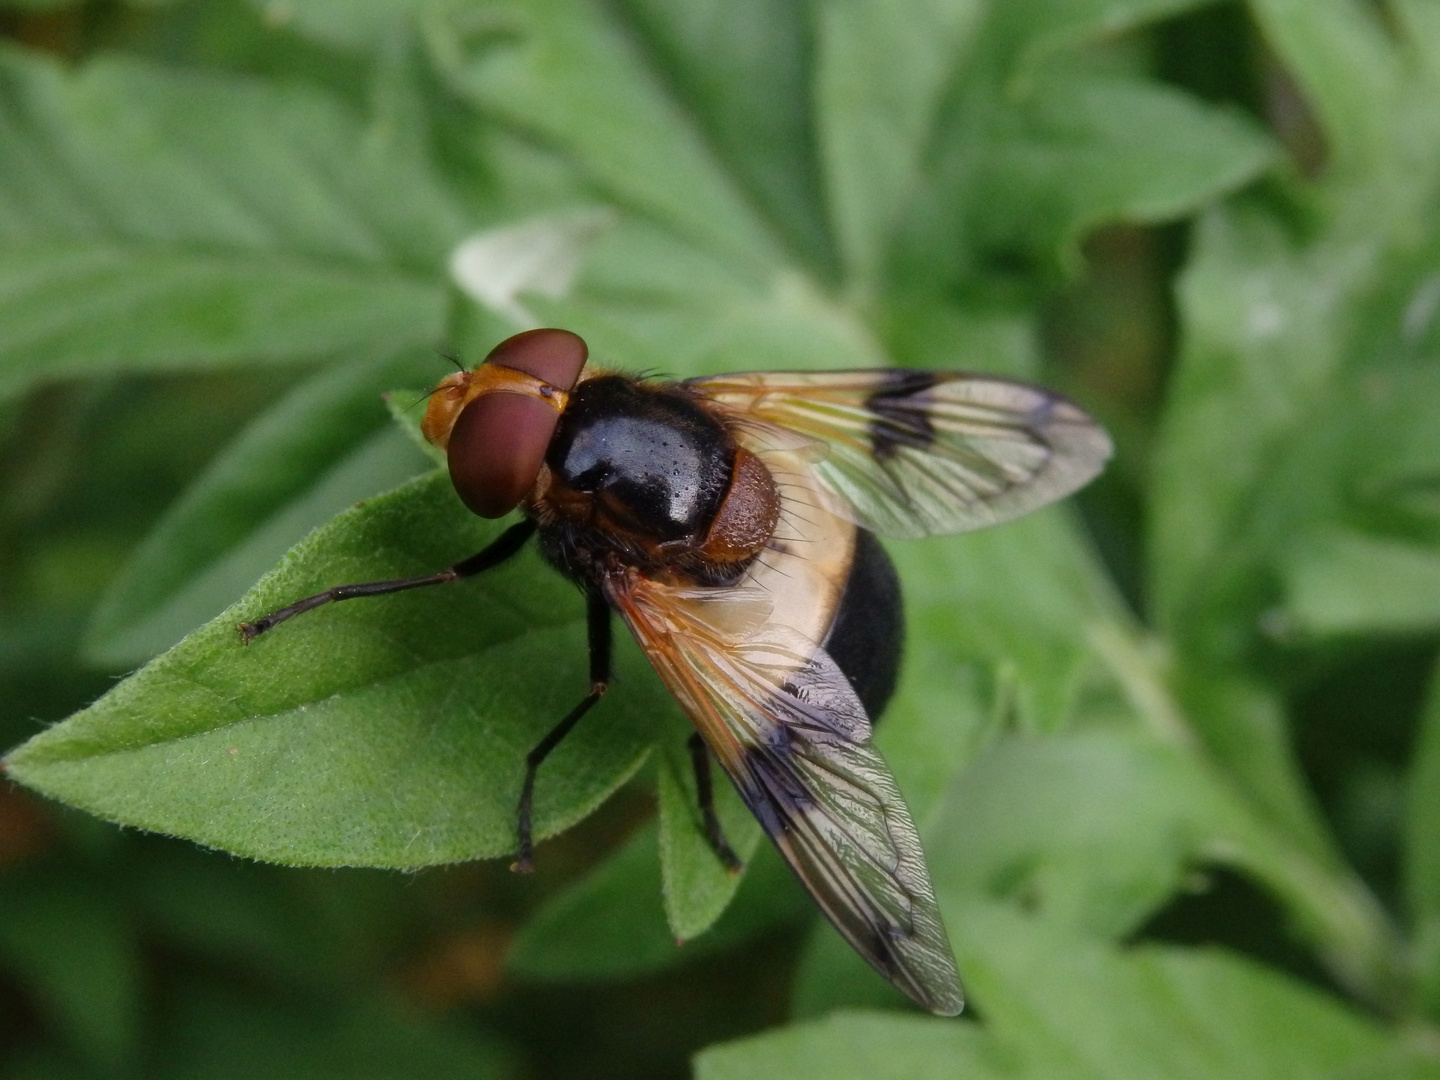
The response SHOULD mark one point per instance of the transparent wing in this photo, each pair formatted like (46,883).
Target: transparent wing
(786,725)
(914,453)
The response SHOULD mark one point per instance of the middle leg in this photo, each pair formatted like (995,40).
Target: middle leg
(705,794)
(597,620)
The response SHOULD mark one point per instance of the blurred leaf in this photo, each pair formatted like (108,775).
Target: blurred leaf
(1351,75)
(612,924)
(1242,721)
(346,24)
(1076,1008)
(1024,599)
(1041,28)
(71,948)
(292,469)
(570,73)
(317,930)
(1041,168)
(882,70)
(1422,850)
(743,70)
(697,885)
(862,1046)
(339,739)
(609,924)
(1304,350)
(156,220)
(832,977)
(1083,148)
(1344,583)
(1027,162)
(216,1034)
(1057,1006)
(1358,496)
(1093,832)
(1399,1062)
(649,301)
(1257,347)
(1297,448)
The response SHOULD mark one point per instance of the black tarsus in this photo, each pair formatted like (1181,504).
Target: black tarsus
(597,624)
(705,794)
(504,546)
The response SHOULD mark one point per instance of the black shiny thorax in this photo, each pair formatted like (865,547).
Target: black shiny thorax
(636,470)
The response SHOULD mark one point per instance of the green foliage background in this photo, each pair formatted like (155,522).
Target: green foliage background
(1175,750)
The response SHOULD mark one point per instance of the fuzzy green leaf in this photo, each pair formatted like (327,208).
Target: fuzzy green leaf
(1084,148)
(393,736)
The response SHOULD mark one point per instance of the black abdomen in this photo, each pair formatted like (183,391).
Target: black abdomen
(867,636)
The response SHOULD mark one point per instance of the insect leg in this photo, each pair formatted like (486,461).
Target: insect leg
(505,545)
(705,792)
(597,618)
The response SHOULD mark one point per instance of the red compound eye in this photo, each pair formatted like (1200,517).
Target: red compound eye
(499,440)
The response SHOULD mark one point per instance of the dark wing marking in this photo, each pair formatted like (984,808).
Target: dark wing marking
(784,722)
(913,453)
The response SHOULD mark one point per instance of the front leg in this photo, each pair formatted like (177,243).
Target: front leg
(500,549)
(597,613)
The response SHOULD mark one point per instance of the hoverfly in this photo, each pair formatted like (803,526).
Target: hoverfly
(729,521)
